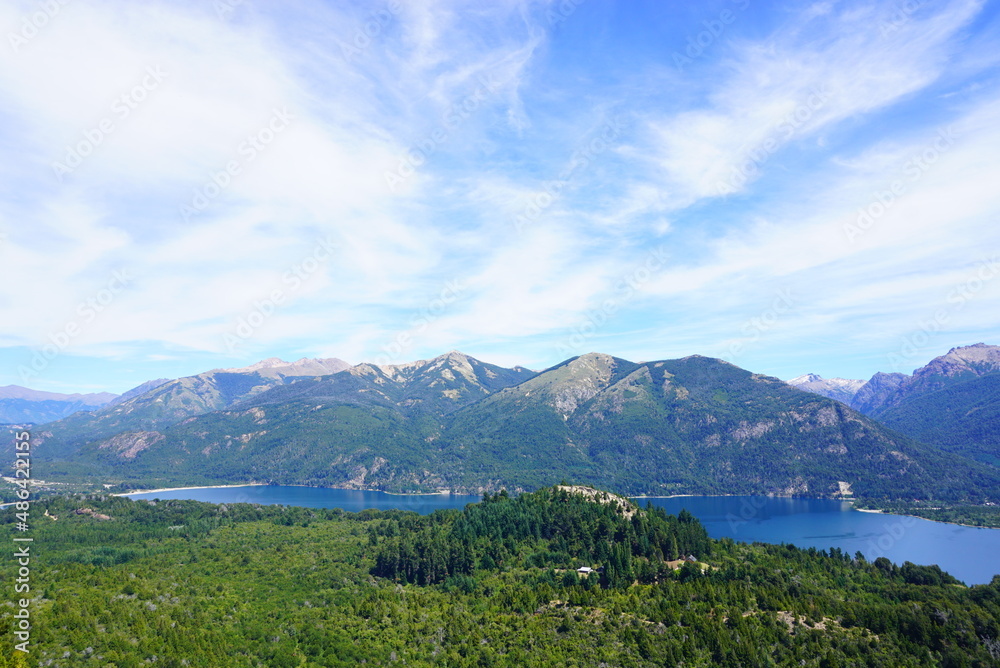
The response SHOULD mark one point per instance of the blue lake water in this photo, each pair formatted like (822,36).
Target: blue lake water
(970,554)
(351,500)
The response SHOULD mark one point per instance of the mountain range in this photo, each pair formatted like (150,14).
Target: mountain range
(170,401)
(952,402)
(19,405)
(694,425)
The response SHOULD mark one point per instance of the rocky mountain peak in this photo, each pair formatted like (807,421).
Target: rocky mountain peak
(841,389)
(599,362)
(978,358)
(269,363)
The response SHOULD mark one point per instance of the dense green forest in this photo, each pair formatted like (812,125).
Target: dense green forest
(182,583)
(963,418)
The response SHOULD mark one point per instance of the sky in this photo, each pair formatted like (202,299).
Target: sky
(791,187)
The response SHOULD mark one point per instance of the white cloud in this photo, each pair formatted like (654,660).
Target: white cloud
(356,116)
(818,71)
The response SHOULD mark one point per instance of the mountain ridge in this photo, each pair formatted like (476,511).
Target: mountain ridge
(959,363)
(841,389)
(689,425)
(20,405)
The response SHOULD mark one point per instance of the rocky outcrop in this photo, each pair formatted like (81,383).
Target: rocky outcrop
(130,444)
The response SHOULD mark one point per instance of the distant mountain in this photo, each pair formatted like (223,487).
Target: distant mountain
(695,425)
(437,386)
(877,392)
(18,392)
(22,405)
(957,365)
(841,389)
(963,418)
(138,390)
(953,402)
(176,400)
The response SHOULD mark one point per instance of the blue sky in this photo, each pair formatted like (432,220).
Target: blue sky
(792,187)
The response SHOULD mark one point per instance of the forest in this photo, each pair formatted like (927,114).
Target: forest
(183,583)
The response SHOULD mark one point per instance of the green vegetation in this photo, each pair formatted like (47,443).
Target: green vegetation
(181,583)
(963,417)
(976,516)
(547,529)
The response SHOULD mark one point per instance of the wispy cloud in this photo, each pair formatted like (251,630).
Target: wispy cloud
(221,149)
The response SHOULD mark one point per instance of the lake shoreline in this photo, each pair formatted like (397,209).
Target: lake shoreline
(818,523)
(446,492)
(919,517)
(450,492)
(181,489)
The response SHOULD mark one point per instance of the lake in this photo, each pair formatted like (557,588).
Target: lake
(970,554)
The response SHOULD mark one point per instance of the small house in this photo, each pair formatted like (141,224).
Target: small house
(585,570)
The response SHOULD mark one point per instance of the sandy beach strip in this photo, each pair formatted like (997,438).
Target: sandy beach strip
(179,489)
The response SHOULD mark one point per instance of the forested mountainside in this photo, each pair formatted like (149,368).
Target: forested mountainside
(167,403)
(695,425)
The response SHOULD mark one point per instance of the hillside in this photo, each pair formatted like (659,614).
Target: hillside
(695,425)
(952,403)
(209,586)
(963,418)
(170,402)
